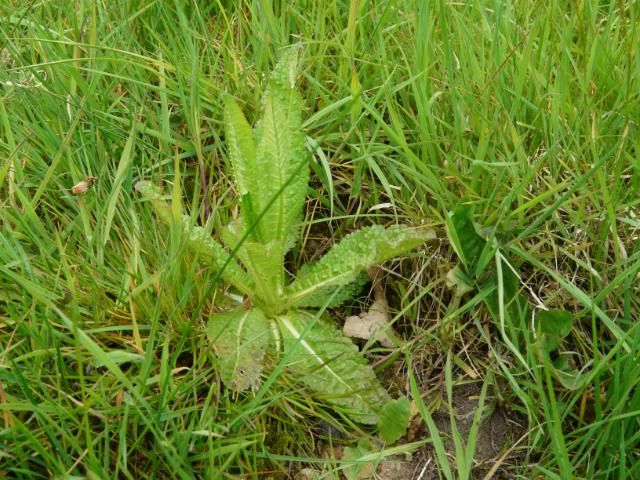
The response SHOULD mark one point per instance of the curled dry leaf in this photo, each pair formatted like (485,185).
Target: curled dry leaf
(372,324)
(375,323)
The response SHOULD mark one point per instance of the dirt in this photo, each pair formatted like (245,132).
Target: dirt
(499,431)
(496,429)
(496,455)
(396,468)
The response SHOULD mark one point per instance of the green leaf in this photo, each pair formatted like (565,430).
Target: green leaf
(281,174)
(263,263)
(569,377)
(332,297)
(155,195)
(474,252)
(198,240)
(240,339)
(330,364)
(516,306)
(242,148)
(436,437)
(118,357)
(551,327)
(509,307)
(457,279)
(394,420)
(354,254)
(242,155)
(357,469)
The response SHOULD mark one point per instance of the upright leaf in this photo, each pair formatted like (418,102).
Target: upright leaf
(242,148)
(242,154)
(263,263)
(282,171)
(551,327)
(354,254)
(473,250)
(329,363)
(240,339)
(198,240)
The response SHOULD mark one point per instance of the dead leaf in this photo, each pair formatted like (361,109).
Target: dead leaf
(371,324)
(375,323)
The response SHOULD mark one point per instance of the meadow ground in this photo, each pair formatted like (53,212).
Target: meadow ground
(522,116)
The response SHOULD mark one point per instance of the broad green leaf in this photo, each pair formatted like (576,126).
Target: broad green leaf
(394,420)
(263,263)
(234,235)
(242,154)
(551,327)
(198,240)
(568,376)
(474,252)
(333,296)
(330,364)
(282,171)
(357,469)
(242,148)
(354,254)
(240,339)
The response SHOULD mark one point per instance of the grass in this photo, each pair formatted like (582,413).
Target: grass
(527,111)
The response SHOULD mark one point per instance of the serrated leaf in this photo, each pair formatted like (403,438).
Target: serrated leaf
(155,195)
(242,155)
(198,239)
(330,364)
(394,420)
(551,327)
(242,148)
(354,254)
(282,171)
(240,339)
(333,296)
(263,263)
